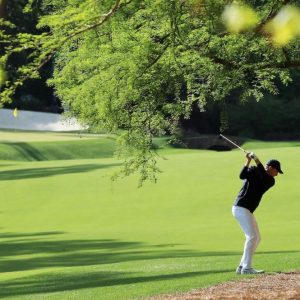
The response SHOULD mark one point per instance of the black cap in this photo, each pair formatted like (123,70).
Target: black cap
(275,164)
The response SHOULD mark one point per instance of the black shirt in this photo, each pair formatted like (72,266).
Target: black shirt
(256,182)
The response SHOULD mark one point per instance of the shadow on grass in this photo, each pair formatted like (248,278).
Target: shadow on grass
(38,250)
(28,151)
(51,171)
(71,253)
(59,282)
(59,150)
(6,235)
(32,251)
(45,252)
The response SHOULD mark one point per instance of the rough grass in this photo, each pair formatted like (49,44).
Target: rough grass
(68,232)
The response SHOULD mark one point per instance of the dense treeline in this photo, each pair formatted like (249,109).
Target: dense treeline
(275,117)
(272,117)
(34,94)
(145,66)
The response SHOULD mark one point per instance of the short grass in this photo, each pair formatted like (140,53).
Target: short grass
(41,146)
(10,135)
(68,232)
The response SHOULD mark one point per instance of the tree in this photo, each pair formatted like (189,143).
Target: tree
(34,94)
(274,117)
(139,66)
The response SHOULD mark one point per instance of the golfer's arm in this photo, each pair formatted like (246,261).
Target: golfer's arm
(245,171)
(247,163)
(260,166)
(257,161)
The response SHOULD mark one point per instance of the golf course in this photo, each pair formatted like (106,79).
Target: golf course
(69,232)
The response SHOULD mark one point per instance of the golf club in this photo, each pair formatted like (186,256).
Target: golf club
(230,141)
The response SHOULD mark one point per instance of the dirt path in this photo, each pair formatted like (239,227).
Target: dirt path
(283,286)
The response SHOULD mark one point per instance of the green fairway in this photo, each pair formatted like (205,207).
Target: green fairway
(68,232)
(40,146)
(30,136)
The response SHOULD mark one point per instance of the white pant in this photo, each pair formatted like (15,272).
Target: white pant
(249,226)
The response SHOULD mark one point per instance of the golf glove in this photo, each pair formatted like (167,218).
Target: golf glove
(253,155)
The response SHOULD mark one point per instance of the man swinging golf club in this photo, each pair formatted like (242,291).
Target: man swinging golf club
(257,180)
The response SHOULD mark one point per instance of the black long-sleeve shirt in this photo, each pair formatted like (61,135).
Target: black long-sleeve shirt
(256,182)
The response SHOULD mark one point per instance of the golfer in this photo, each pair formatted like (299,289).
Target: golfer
(257,180)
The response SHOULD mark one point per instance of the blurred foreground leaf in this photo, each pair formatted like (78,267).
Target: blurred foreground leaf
(285,26)
(238,17)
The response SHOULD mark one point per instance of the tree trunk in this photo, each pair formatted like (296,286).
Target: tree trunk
(2,9)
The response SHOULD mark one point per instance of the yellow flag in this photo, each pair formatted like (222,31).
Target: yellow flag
(15,113)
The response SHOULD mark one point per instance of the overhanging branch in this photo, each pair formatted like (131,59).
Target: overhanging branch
(102,20)
(272,13)
(283,65)
(39,63)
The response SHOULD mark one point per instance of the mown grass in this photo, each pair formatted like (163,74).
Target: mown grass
(41,146)
(68,232)
(60,150)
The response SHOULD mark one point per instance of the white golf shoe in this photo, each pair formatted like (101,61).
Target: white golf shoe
(251,271)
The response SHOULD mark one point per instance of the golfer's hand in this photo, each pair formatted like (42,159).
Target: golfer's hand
(248,156)
(253,156)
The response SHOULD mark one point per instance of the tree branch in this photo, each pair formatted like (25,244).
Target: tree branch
(271,15)
(3,9)
(282,65)
(103,19)
(226,63)
(231,65)
(52,51)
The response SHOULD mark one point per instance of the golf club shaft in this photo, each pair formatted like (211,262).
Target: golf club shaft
(230,141)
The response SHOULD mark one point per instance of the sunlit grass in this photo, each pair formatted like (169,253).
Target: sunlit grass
(68,232)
